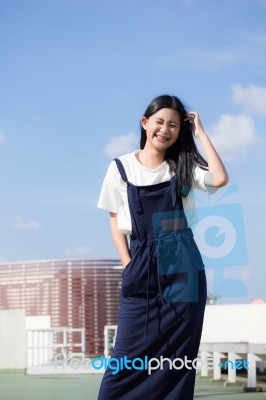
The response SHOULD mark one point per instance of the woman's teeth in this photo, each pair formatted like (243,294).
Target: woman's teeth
(161,138)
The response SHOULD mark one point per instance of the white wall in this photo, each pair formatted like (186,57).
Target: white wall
(39,339)
(235,323)
(12,339)
(38,322)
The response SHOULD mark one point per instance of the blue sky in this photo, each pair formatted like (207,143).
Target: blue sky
(76,77)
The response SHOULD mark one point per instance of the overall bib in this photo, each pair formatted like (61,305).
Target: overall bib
(162,301)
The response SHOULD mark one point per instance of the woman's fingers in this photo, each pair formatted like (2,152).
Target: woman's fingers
(194,120)
(191,117)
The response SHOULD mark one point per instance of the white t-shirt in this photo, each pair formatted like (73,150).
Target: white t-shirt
(113,196)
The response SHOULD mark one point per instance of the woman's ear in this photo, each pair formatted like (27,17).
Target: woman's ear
(143,122)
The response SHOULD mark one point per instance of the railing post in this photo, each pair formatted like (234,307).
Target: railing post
(204,364)
(217,375)
(252,373)
(231,367)
(106,347)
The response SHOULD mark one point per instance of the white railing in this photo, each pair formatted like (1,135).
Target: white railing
(252,354)
(109,339)
(47,348)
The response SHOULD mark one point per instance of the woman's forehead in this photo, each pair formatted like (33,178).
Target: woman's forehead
(167,113)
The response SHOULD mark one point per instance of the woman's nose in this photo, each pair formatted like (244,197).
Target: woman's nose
(164,128)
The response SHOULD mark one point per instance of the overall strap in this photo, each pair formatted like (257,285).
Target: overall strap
(133,189)
(121,169)
(173,190)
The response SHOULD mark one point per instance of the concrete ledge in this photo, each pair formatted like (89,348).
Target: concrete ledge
(204,378)
(252,389)
(228,384)
(4,372)
(217,381)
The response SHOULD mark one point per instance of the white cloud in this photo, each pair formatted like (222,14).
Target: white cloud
(19,223)
(253,98)
(199,59)
(233,135)
(78,251)
(119,145)
(246,50)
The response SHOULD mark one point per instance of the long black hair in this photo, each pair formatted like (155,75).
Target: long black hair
(183,155)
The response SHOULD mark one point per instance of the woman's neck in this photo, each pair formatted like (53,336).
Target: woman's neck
(150,159)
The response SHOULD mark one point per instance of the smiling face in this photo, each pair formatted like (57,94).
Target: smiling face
(162,129)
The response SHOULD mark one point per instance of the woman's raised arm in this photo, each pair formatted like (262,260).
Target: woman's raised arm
(217,176)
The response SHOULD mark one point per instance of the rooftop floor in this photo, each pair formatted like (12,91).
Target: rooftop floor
(85,387)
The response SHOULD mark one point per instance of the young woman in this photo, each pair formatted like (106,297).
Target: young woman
(163,283)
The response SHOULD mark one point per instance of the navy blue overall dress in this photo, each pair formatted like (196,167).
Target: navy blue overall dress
(162,301)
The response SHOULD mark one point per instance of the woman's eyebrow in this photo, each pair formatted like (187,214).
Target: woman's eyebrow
(171,122)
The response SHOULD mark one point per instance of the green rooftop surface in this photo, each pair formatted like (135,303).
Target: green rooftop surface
(85,387)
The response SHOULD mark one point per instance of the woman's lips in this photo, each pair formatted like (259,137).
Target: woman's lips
(161,138)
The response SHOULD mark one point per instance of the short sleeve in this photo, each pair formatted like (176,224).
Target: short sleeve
(110,196)
(199,178)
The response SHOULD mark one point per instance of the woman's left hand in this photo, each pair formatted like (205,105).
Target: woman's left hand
(217,175)
(196,125)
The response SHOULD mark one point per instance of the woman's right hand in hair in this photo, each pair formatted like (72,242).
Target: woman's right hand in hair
(217,176)
(196,124)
